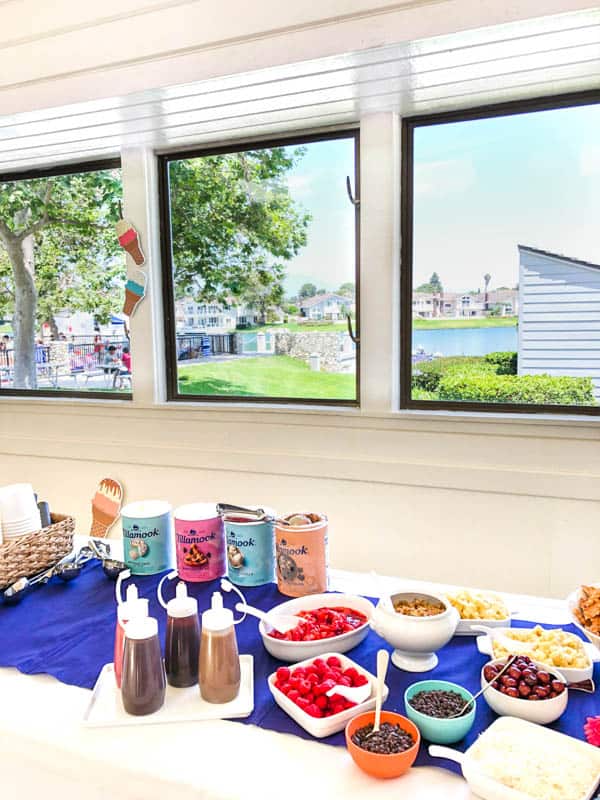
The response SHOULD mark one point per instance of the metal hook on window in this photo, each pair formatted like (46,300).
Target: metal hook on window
(350,195)
(351,334)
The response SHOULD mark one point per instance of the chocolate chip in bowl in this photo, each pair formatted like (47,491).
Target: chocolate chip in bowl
(390,738)
(432,706)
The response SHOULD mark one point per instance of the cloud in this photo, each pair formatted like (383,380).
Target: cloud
(444,177)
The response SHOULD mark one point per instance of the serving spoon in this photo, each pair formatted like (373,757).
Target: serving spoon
(280,622)
(356,694)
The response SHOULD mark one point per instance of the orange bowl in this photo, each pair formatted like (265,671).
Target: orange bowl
(377,764)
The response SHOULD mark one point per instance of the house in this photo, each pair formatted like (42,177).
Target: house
(559,319)
(192,317)
(457,305)
(326,306)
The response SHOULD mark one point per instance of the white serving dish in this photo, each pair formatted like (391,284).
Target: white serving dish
(466,626)
(542,712)
(415,639)
(325,726)
(105,708)
(489,788)
(295,651)
(572,601)
(572,675)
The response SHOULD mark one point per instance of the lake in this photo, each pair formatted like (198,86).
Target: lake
(465,341)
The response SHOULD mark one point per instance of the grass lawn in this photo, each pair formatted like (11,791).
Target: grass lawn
(473,322)
(269,376)
(295,327)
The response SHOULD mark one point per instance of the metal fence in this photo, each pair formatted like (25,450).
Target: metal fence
(196,345)
(78,356)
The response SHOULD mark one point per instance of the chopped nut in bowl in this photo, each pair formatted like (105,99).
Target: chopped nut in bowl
(584,607)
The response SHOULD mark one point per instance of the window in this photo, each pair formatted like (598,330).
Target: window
(264,237)
(62,279)
(500,221)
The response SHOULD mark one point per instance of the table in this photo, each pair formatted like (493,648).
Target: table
(45,752)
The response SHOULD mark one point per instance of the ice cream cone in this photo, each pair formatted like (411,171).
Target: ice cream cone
(106,507)
(134,292)
(129,241)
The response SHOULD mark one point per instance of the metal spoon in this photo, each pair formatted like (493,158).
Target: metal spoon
(17,591)
(508,664)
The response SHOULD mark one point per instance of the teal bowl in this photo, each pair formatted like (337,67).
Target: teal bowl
(435,729)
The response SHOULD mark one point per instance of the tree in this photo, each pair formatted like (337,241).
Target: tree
(434,286)
(234,225)
(347,289)
(487,278)
(307,290)
(56,231)
(436,283)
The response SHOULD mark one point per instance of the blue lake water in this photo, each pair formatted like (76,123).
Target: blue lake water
(465,341)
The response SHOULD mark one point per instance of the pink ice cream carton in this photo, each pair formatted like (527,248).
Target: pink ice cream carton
(199,542)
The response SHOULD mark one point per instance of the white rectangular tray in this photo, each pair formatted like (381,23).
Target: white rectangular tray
(181,705)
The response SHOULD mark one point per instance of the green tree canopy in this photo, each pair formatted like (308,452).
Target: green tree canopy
(307,290)
(434,285)
(234,225)
(347,289)
(57,234)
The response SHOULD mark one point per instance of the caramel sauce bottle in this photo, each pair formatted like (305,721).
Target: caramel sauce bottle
(219,666)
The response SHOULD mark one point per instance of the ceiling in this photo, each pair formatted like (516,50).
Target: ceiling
(527,59)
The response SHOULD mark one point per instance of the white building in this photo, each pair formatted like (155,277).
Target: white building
(194,317)
(559,316)
(326,306)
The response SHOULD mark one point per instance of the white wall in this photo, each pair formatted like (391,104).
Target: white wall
(559,318)
(505,502)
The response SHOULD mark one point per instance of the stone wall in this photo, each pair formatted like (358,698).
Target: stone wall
(331,346)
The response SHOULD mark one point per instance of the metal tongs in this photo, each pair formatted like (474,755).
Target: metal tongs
(229,508)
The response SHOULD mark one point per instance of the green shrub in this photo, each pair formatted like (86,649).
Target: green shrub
(427,376)
(527,389)
(504,362)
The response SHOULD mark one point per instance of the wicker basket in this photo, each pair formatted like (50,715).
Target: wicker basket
(34,552)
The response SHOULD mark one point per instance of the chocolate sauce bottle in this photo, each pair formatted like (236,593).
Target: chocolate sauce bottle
(182,644)
(143,682)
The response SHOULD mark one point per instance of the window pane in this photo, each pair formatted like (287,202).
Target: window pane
(263,265)
(506,260)
(62,277)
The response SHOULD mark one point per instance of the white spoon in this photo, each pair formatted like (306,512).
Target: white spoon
(356,694)
(280,622)
(512,645)
(383,658)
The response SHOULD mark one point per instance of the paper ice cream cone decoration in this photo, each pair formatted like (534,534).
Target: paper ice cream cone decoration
(106,507)
(134,292)
(129,241)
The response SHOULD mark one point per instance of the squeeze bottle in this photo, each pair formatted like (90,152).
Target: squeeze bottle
(182,644)
(144,683)
(219,659)
(133,607)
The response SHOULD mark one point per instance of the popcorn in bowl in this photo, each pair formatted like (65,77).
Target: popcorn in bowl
(556,648)
(478,605)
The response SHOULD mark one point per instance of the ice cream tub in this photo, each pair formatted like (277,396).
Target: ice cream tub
(199,542)
(250,547)
(147,536)
(301,553)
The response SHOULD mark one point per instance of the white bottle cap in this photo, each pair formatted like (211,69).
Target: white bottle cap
(133,607)
(182,605)
(141,628)
(217,618)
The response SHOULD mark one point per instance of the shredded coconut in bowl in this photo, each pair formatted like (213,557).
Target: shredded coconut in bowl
(541,763)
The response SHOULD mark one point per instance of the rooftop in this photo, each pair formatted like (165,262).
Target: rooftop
(559,256)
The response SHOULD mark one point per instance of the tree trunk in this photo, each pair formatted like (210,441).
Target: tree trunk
(21,259)
(53,327)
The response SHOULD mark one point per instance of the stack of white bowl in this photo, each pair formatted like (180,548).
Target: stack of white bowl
(19,514)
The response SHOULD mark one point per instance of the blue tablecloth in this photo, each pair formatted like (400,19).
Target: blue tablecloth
(67,630)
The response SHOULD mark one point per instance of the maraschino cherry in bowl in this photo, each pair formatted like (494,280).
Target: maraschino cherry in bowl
(331,622)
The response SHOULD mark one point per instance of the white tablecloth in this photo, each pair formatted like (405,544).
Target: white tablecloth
(45,752)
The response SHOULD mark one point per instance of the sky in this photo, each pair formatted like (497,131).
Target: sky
(318,183)
(483,186)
